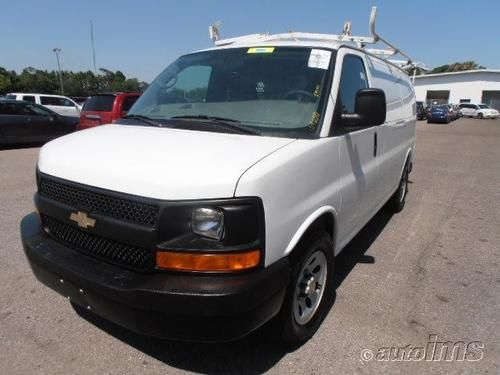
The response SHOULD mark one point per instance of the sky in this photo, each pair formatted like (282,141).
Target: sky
(141,38)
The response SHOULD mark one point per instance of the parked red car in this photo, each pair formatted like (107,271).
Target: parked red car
(105,108)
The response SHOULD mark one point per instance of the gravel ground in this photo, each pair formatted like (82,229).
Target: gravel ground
(431,270)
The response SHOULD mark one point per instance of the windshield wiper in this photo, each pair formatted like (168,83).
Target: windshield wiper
(205,117)
(144,119)
(220,121)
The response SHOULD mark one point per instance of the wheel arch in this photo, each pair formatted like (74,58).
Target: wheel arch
(408,158)
(323,218)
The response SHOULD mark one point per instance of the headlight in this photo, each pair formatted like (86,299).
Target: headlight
(208,222)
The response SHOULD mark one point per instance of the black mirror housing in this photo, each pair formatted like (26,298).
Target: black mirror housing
(370,109)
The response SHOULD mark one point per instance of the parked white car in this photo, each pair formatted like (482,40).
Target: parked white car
(478,110)
(222,198)
(59,104)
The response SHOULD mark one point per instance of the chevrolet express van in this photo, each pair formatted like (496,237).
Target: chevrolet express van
(220,201)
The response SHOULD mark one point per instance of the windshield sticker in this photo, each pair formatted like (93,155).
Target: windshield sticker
(319,58)
(314,121)
(261,50)
(260,87)
(317,91)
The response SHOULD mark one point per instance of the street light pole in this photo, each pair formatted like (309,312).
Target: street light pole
(57,51)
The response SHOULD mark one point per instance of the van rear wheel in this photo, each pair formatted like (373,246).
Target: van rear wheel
(310,290)
(397,201)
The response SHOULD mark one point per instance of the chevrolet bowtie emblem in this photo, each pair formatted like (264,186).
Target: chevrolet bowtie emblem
(82,219)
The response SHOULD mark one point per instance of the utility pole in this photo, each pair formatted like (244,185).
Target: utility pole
(93,46)
(57,51)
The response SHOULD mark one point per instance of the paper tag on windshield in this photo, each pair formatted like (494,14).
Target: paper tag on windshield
(319,58)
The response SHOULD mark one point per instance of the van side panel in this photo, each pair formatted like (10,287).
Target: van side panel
(293,182)
(397,134)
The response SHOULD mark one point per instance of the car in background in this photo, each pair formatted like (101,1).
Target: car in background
(479,111)
(105,108)
(421,111)
(454,111)
(57,103)
(26,122)
(440,113)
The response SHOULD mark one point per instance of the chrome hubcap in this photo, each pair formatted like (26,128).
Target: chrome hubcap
(310,287)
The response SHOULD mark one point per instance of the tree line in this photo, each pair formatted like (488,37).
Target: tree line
(457,67)
(74,83)
(447,68)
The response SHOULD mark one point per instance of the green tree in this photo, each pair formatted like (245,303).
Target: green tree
(75,83)
(7,80)
(457,67)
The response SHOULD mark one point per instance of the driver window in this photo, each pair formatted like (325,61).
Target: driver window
(22,110)
(188,86)
(352,80)
(66,103)
(36,111)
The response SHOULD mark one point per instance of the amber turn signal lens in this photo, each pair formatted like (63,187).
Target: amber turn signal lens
(181,261)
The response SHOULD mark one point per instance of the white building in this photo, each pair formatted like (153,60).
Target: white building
(472,86)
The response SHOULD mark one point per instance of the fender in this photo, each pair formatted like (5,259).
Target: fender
(307,223)
(407,158)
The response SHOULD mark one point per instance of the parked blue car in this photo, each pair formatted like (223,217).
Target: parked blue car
(439,113)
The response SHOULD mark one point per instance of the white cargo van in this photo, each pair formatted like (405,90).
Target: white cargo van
(221,200)
(59,104)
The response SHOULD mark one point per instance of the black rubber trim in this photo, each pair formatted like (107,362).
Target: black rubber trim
(176,306)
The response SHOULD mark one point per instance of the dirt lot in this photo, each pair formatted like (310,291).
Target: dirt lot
(433,269)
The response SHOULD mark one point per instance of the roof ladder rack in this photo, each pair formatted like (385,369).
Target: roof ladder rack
(359,41)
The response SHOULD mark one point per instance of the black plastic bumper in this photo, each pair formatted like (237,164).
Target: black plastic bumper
(175,306)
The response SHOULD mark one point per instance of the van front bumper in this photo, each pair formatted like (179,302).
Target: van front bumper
(179,306)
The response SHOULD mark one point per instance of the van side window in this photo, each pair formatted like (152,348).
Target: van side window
(353,79)
(29,98)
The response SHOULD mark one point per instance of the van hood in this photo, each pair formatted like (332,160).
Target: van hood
(160,163)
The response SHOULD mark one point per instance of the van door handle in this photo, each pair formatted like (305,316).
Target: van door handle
(375,144)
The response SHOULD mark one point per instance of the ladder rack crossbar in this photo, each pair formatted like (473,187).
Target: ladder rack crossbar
(295,36)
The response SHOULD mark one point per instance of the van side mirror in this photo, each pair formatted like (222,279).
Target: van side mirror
(370,109)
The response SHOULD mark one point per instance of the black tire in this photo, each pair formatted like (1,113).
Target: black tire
(397,202)
(288,330)
(480,116)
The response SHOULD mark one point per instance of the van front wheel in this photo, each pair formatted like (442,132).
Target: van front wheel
(310,291)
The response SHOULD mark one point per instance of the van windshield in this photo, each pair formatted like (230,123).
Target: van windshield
(277,91)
